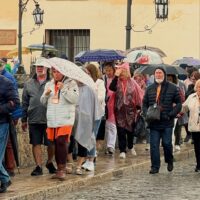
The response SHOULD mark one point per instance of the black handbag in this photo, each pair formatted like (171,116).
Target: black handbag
(153,113)
(139,129)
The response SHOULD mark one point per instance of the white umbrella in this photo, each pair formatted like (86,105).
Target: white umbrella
(71,70)
(143,57)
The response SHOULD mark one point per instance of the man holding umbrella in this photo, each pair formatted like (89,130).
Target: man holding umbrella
(9,100)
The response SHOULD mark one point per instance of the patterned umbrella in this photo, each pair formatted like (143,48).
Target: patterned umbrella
(143,56)
(69,69)
(155,49)
(98,55)
(190,61)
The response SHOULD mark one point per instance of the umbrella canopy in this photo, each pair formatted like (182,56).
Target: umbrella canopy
(170,69)
(98,55)
(41,47)
(69,69)
(155,49)
(190,61)
(143,56)
(14,52)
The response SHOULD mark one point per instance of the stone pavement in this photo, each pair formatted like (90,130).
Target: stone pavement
(26,187)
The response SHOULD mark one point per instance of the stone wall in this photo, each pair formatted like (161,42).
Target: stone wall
(25,149)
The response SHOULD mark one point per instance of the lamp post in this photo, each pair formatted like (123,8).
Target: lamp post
(128,25)
(161,9)
(38,18)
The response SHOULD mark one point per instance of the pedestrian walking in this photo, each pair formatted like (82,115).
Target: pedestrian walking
(128,100)
(35,118)
(100,91)
(9,100)
(84,127)
(60,96)
(110,126)
(164,95)
(9,160)
(192,105)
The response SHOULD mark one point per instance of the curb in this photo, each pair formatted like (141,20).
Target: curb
(60,188)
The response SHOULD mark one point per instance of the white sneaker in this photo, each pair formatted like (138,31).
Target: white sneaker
(122,155)
(84,166)
(90,166)
(177,148)
(133,152)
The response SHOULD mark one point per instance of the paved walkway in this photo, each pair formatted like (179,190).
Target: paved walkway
(181,184)
(27,187)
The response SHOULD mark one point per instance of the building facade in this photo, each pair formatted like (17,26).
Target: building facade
(76,25)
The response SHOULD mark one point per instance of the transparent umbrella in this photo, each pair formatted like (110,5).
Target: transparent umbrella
(143,56)
(190,61)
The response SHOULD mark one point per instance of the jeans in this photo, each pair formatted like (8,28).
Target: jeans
(166,136)
(4,177)
(92,152)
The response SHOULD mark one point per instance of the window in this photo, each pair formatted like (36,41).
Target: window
(68,42)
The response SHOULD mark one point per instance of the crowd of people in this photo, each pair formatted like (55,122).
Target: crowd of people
(72,119)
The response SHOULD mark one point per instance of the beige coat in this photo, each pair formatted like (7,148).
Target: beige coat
(192,104)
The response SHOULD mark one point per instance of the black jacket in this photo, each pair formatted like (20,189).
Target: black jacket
(9,98)
(170,102)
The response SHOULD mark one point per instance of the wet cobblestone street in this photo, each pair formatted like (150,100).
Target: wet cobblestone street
(181,184)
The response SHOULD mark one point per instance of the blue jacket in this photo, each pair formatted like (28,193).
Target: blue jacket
(9,98)
(10,77)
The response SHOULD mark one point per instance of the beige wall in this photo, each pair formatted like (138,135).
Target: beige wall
(178,36)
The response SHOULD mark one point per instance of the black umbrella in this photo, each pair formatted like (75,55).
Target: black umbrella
(13,139)
(170,69)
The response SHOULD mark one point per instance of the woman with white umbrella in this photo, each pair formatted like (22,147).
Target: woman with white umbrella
(60,96)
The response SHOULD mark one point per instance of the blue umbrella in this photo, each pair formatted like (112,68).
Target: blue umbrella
(190,61)
(98,55)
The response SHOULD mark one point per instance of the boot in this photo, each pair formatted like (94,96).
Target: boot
(60,173)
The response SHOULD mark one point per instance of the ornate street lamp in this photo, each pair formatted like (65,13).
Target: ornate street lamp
(38,14)
(161,9)
(38,18)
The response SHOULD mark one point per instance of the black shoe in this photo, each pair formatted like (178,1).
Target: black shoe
(37,171)
(197,169)
(110,151)
(4,186)
(170,167)
(187,138)
(11,174)
(51,168)
(153,171)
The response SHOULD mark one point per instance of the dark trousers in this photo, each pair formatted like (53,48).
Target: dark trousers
(82,151)
(61,150)
(125,139)
(155,137)
(196,139)
(177,134)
